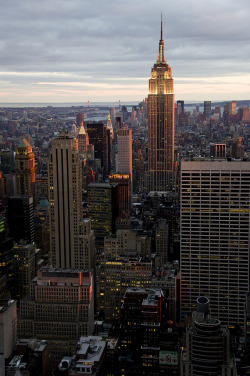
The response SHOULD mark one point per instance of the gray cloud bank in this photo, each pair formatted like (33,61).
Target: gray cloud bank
(95,41)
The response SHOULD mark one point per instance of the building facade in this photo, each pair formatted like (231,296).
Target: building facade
(65,190)
(25,170)
(59,309)
(215,218)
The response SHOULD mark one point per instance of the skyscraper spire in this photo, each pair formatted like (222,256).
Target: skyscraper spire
(161,57)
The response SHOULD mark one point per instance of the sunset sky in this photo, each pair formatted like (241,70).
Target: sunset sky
(55,51)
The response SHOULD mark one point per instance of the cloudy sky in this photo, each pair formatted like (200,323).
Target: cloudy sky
(102,50)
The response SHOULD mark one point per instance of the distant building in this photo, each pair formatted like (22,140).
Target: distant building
(207,108)
(25,171)
(218,151)
(124,147)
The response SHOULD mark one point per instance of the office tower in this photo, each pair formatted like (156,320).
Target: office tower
(25,170)
(180,107)
(79,120)
(25,267)
(103,201)
(124,148)
(60,308)
(207,349)
(207,108)
(161,124)
(215,212)
(124,182)
(65,197)
(83,141)
(99,136)
(218,151)
(116,275)
(20,215)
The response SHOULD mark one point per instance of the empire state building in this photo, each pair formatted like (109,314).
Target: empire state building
(161,124)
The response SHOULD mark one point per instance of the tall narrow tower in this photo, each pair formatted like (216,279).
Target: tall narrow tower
(161,124)
(25,170)
(65,201)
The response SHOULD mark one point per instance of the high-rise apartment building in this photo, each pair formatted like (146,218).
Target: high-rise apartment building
(215,214)
(161,124)
(25,170)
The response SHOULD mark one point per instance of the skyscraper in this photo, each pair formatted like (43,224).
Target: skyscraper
(65,188)
(25,170)
(124,146)
(161,124)
(215,212)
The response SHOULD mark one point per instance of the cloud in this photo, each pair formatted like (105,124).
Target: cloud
(97,42)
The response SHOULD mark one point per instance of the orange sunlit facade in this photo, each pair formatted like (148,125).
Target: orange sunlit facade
(161,125)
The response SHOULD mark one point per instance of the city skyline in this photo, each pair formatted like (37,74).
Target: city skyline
(78,51)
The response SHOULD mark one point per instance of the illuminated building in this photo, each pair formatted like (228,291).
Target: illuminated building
(161,124)
(116,275)
(20,216)
(68,233)
(83,141)
(103,201)
(207,349)
(25,170)
(124,181)
(59,309)
(215,214)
